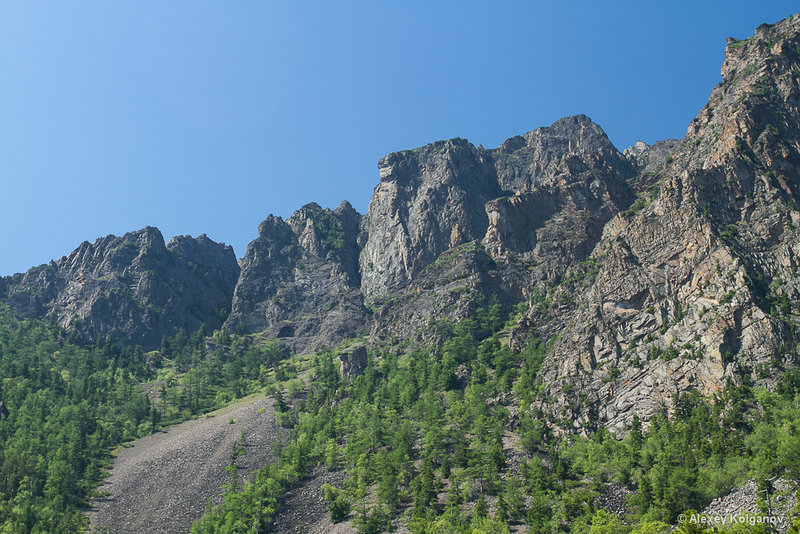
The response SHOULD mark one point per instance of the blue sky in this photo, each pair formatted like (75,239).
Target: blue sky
(204,117)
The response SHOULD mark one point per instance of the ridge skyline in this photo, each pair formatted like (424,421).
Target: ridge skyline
(241,253)
(118,149)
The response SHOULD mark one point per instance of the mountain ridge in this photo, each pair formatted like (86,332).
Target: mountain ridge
(622,258)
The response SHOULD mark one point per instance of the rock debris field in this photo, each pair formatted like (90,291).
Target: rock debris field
(163,482)
(304,510)
(743,501)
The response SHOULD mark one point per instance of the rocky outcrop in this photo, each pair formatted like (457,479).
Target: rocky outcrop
(429,200)
(571,150)
(449,289)
(353,361)
(134,289)
(518,198)
(696,283)
(504,219)
(448,226)
(647,159)
(300,281)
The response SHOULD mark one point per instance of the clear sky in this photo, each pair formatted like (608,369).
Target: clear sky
(205,117)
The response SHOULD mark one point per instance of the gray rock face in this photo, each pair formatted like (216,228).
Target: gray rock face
(353,361)
(505,219)
(449,225)
(133,288)
(429,200)
(449,289)
(648,158)
(573,149)
(448,193)
(299,279)
(696,284)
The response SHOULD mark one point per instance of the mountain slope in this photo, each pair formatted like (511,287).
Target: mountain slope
(652,272)
(551,332)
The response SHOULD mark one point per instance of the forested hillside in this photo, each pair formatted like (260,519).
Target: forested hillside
(439,439)
(65,405)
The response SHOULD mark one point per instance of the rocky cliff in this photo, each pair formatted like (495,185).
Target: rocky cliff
(429,200)
(451,225)
(134,289)
(696,283)
(516,199)
(300,280)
